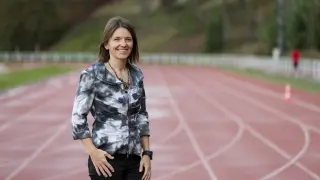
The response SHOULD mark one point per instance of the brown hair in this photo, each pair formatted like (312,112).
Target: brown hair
(112,25)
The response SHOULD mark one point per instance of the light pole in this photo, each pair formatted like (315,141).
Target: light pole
(280,21)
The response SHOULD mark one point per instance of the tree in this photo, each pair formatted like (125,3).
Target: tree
(145,6)
(167,4)
(25,26)
(215,33)
(301,25)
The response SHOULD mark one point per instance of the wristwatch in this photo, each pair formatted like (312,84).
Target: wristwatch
(148,153)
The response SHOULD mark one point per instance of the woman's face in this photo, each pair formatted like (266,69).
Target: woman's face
(120,44)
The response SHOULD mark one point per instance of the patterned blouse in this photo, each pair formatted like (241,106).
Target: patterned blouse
(120,116)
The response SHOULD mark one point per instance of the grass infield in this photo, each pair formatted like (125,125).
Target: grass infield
(19,77)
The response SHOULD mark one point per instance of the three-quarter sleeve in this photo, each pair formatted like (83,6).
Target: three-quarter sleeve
(81,107)
(143,118)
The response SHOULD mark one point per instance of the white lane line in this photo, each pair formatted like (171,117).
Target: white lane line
(222,149)
(190,135)
(284,117)
(270,93)
(266,92)
(59,176)
(37,152)
(26,137)
(7,124)
(171,135)
(279,114)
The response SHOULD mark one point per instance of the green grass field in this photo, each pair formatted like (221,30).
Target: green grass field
(25,76)
(301,84)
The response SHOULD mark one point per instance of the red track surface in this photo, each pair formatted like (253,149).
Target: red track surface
(206,125)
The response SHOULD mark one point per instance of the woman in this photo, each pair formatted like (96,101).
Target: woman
(112,89)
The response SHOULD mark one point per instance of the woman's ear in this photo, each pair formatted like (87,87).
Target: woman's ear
(106,46)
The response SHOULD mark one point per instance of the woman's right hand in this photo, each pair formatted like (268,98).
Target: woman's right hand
(100,162)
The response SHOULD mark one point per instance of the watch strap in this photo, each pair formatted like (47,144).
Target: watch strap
(148,153)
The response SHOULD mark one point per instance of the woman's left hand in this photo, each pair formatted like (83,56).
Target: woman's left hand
(145,164)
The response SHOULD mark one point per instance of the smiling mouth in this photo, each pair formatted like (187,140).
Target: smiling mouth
(122,50)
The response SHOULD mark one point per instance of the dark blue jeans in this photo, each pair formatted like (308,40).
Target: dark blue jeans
(126,168)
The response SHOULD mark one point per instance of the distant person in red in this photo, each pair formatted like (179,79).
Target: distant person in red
(295,56)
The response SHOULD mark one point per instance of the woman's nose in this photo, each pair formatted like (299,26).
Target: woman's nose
(123,42)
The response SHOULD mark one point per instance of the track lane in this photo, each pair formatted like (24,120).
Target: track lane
(239,109)
(234,150)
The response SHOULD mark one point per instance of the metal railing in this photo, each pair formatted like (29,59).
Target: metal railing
(308,68)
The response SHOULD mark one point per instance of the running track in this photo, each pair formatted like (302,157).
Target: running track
(206,124)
